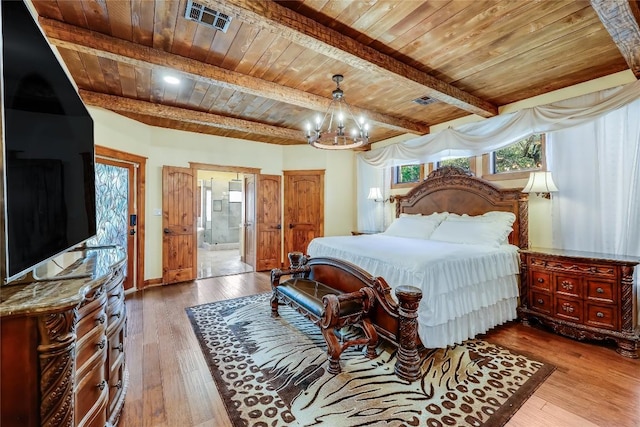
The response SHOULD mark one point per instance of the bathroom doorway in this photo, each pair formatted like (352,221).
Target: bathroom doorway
(220,224)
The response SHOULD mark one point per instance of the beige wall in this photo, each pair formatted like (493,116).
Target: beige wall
(339,183)
(178,148)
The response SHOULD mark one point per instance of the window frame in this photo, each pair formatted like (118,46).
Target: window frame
(488,175)
(425,170)
(394,176)
(472,165)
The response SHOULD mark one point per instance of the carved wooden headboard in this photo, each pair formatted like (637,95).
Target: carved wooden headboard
(455,190)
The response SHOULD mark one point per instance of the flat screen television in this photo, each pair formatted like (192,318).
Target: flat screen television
(48,149)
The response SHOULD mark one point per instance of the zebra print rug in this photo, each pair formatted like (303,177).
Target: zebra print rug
(271,372)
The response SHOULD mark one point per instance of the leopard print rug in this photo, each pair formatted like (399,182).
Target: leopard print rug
(272,372)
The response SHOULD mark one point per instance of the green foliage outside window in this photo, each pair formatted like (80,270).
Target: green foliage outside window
(521,156)
(461,162)
(407,173)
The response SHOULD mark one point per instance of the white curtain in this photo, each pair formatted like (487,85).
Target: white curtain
(489,135)
(372,216)
(596,166)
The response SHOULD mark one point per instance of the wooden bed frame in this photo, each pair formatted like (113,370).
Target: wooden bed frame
(448,189)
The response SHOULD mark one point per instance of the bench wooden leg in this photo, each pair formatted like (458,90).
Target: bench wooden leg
(334,349)
(372,334)
(274,305)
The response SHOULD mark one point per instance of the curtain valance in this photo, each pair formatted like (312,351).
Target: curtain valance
(496,132)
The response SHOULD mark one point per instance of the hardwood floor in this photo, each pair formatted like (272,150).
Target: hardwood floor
(170,384)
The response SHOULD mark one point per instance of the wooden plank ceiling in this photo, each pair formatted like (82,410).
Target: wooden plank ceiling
(271,71)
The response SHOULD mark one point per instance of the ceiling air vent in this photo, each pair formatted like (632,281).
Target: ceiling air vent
(204,15)
(425,100)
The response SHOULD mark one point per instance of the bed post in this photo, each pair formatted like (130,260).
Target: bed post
(408,360)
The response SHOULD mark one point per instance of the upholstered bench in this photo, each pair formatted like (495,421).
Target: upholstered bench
(325,306)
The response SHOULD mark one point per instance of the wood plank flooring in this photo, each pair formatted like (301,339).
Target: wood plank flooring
(170,384)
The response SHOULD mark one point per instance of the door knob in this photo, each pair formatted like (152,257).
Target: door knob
(167,231)
(291,225)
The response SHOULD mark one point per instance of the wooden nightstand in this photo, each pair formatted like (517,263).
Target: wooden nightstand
(582,295)
(359,233)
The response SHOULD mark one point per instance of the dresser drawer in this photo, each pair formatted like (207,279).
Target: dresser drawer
(569,309)
(582,268)
(89,319)
(602,316)
(116,385)
(92,345)
(116,346)
(541,302)
(91,394)
(568,285)
(602,291)
(540,280)
(116,311)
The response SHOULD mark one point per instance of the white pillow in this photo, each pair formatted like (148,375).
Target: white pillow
(415,227)
(473,230)
(438,216)
(507,217)
(408,214)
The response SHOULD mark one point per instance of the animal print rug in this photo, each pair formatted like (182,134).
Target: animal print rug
(272,372)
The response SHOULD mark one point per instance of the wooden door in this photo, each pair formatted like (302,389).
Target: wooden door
(303,208)
(178,224)
(268,223)
(249,222)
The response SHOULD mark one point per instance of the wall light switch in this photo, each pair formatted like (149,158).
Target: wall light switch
(157,212)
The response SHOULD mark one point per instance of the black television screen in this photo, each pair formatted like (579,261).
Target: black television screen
(48,149)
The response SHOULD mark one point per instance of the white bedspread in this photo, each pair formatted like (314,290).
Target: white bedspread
(467,289)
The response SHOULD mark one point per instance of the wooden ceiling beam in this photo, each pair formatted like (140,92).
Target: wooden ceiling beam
(622,21)
(85,41)
(121,104)
(299,29)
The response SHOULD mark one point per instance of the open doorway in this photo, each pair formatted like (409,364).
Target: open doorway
(220,228)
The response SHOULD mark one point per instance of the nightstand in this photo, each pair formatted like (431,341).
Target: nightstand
(358,233)
(582,295)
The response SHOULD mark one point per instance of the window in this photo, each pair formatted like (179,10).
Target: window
(516,160)
(407,175)
(461,162)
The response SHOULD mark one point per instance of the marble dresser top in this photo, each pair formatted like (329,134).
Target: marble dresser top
(83,271)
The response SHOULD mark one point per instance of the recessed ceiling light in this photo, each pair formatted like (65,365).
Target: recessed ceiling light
(171,80)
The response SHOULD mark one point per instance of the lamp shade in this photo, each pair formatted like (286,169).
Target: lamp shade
(540,182)
(374,193)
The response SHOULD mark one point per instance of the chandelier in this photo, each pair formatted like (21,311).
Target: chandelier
(334,136)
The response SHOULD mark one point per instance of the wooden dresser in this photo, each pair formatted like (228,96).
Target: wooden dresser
(62,351)
(582,295)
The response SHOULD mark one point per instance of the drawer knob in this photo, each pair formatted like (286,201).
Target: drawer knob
(600,290)
(119,347)
(102,343)
(567,307)
(567,285)
(102,385)
(540,280)
(118,385)
(600,314)
(101,319)
(540,301)
(118,314)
